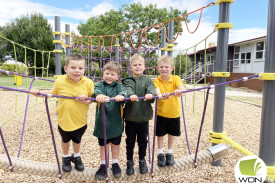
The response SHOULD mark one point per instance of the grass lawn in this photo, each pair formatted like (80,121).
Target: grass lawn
(9,81)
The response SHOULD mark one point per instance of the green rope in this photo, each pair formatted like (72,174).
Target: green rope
(48,66)
(185,72)
(194,80)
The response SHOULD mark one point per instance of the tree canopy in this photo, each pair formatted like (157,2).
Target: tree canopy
(32,31)
(130,17)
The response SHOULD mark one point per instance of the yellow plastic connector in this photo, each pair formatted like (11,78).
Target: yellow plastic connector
(266,76)
(56,33)
(218,2)
(58,51)
(271,171)
(163,49)
(221,74)
(57,41)
(223,26)
(216,138)
(169,49)
(67,33)
(18,80)
(170,45)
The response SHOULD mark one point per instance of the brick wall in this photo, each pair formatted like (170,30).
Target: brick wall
(254,84)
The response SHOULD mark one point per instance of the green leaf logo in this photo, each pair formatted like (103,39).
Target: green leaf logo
(250,169)
(247,167)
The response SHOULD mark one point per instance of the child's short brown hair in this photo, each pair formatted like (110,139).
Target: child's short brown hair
(136,57)
(75,57)
(113,66)
(166,59)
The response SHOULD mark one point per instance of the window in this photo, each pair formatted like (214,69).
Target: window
(248,58)
(210,58)
(260,50)
(236,62)
(245,58)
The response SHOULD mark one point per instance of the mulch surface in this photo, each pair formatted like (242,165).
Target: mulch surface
(241,122)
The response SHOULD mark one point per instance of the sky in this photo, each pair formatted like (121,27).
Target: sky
(249,17)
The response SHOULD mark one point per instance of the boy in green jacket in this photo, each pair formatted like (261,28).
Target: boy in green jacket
(137,113)
(109,88)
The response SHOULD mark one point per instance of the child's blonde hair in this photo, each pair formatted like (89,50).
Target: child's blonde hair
(113,66)
(136,57)
(74,57)
(166,59)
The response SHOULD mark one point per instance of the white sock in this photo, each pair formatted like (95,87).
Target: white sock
(114,161)
(169,151)
(102,162)
(76,154)
(66,155)
(160,151)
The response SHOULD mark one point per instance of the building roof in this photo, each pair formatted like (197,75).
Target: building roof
(232,44)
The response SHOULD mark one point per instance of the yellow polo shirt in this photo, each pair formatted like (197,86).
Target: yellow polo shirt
(169,108)
(72,115)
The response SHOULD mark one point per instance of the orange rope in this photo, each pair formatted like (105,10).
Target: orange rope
(87,44)
(73,41)
(145,32)
(197,24)
(111,43)
(144,29)
(124,41)
(140,38)
(98,46)
(177,32)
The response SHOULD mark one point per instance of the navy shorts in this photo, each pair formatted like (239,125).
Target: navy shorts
(169,126)
(75,136)
(115,141)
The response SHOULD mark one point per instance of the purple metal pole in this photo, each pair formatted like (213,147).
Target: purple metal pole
(25,118)
(149,145)
(202,120)
(154,137)
(54,145)
(105,145)
(6,149)
(186,136)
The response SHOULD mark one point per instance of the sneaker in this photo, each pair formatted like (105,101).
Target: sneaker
(169,159)
(143,167)
(101,172)
(116,170)
(130,167)
(161,160)
(77,163)
(66,164)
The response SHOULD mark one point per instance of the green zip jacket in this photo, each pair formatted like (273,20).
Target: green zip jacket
(141,110)
(113,110)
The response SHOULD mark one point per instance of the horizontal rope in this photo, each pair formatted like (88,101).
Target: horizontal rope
(51,170)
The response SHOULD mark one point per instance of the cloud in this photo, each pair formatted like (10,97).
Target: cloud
(179,4)
(101,9)
(245,34)
(15,8)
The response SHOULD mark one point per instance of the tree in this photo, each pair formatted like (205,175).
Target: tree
(182,63)
(130,18)
(32,31)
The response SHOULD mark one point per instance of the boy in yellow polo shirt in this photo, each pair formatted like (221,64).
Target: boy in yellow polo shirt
(72,114)
(168,113)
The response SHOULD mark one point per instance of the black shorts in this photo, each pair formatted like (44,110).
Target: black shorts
(115,141)
(75,136)
(169,126)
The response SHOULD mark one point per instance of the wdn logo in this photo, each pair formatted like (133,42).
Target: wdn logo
(250,169)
